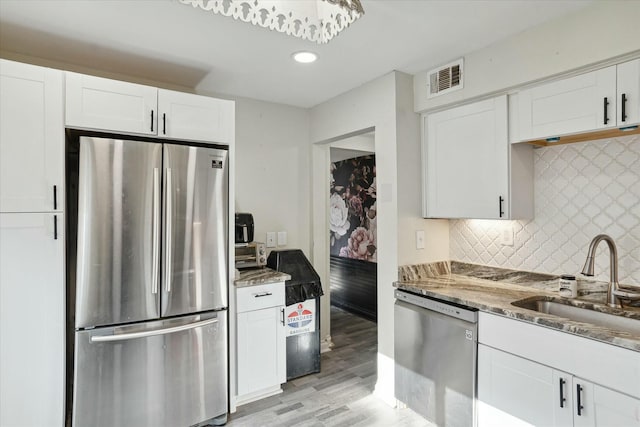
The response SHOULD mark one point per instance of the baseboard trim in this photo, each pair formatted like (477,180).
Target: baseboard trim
(326,344)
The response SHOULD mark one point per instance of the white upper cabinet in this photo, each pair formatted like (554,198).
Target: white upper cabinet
(193,117)
(122,107)
(31,138)
(572,105)
(467,164)
(603,99)
(105,104)
(628,109)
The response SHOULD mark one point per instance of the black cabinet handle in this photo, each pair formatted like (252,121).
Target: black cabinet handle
(55,197)
(579,397)
(500,201)
(562,398)
(151,120)
(605,105)
(264,294)
(282,311)
(624,107)
(164,123)
(55,227)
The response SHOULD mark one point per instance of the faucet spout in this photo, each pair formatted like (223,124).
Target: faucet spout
(588,269)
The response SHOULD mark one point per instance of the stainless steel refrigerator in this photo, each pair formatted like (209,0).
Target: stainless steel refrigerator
(151,284)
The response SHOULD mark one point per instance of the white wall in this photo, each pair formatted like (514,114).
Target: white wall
(602,30)
(410,186)
(385,105)
(272,169)
(369,106)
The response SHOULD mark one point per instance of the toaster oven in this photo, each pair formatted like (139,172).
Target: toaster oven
(252,254)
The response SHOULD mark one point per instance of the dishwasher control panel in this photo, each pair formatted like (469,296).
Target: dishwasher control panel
(447,308)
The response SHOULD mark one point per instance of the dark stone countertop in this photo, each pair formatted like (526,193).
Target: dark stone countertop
(493,290)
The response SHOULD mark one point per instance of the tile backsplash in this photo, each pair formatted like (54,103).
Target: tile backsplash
(581,190)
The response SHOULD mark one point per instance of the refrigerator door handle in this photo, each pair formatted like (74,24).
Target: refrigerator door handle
(145,334)
(156,231)
(168,231)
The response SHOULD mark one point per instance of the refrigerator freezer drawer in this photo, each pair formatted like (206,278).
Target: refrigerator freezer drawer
(161,373)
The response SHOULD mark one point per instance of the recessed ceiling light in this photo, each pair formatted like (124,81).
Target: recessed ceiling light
(304,57)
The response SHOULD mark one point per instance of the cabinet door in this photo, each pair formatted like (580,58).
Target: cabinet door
(513,391)
(467,161)
(603,407)
(193,117)
(31,138)
(260,350)
(629,92)
(32,316)
(111,105)
(572,105)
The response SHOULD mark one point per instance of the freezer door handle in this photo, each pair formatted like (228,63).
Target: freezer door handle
(156,232)
(168,231)
(145,334)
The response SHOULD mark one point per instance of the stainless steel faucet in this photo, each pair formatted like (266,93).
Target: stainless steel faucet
(614,293)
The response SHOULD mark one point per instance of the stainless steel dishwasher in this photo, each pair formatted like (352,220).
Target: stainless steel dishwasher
(435,358)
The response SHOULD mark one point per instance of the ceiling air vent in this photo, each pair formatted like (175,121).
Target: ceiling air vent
(445,79)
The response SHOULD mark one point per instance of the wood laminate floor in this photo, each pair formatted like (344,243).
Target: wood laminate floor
(339,395)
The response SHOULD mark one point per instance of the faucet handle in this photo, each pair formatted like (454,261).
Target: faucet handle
(627,295)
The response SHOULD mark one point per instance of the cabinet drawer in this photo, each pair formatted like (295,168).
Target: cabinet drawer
(260,296)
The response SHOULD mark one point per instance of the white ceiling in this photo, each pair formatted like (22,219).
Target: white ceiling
(173,43)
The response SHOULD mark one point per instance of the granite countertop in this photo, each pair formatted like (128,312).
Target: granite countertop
(259,276)
(493,290)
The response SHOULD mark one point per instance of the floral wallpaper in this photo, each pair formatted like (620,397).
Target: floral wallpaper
(353,208)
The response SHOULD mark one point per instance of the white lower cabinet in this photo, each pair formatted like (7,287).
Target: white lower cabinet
(32,319)
(261,341)
(514,391)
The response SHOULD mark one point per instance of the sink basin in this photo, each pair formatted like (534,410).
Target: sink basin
(594,314)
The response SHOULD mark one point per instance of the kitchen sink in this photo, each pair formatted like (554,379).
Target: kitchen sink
(594,314)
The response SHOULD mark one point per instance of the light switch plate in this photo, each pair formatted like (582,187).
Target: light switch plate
(419,239)
(271,239)
(282,238)
(507,235)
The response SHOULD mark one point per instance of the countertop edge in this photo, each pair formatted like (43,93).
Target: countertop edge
(260,276)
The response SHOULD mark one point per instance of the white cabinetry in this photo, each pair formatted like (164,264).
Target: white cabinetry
(598,100)
(513,391)
(32,287)
(470,169)
(261,341)
(31,138)
(116,106)
(97,103)
(32,301)
(520,380)
(628,87)
(193,117)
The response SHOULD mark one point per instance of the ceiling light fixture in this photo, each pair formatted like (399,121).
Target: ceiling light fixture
(314,20)
(305,57)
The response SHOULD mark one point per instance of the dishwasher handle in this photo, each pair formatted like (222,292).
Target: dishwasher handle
(468,314)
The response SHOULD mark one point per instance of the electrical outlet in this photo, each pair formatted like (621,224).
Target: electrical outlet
(271,239)
(507,235)
(419,239)
(282,238)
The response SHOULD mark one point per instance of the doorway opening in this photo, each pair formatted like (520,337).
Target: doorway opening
(353,226)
